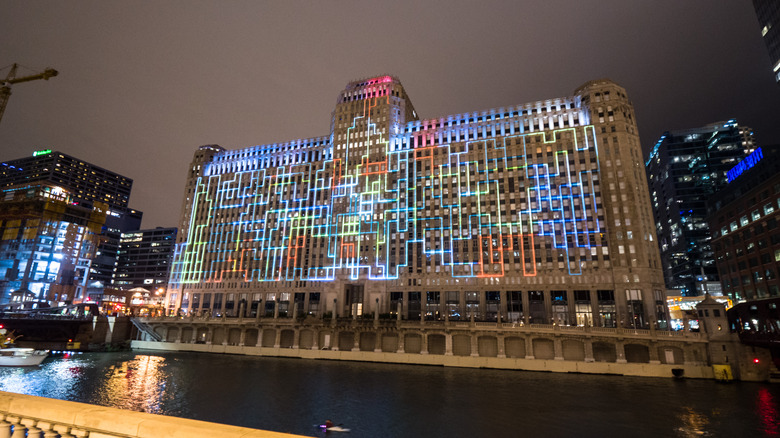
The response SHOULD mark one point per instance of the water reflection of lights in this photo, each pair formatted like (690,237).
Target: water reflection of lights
(137,384)
(694,424)
(768,413)
(58,381)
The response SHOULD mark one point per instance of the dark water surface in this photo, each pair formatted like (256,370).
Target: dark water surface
(384,400)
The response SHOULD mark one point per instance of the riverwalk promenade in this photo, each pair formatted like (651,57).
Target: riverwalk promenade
(40,417)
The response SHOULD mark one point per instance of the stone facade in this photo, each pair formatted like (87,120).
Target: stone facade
(536,214)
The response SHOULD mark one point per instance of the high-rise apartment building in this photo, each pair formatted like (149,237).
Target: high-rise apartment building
(144,259)
(84,182)
(768,13)
(47,243)
(537,213)
(684,169)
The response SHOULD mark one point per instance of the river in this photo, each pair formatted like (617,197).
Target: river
(386,400)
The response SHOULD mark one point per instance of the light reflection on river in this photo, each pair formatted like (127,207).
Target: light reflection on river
(384,400)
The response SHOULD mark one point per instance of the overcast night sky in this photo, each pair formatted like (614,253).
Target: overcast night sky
(142,84)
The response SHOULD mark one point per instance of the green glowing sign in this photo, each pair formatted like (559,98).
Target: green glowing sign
(43,152)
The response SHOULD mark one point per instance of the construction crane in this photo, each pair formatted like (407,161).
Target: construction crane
(5,85)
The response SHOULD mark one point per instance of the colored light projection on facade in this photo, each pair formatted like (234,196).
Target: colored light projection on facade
(379,205)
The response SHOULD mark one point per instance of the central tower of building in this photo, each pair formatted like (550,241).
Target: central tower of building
(536,213)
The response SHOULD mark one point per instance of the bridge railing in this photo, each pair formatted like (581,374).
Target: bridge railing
(42,417)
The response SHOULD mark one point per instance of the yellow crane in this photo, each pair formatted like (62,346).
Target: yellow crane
(5,84)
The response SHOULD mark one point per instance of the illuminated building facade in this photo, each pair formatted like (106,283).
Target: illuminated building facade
(744,220)
(684,170)
(537,213)
(144,259)
(47,243)
(768,13)
(85,182)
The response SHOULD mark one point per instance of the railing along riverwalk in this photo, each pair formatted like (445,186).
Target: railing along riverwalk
(39,417)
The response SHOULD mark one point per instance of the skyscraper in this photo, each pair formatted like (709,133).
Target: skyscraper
(768,13)
(84,182)
(744,221)
(534,213)
(144,259)
(47,243)
(684,169)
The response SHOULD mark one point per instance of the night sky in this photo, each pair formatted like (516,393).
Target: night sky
(142,84)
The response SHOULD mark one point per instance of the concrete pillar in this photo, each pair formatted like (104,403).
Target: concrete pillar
(501,345)
(424,342)
(462,303)
(448,344)
(259,342)
(260,310)
(589,351)
(276,309)
(547,295)
(423,307)
(400,310)
(240,310)
(620,352)
(474,345)
(181,331)
(209,335)
(400,342)
(558,348)
(5,429)
(653,350)
(356,341)
(34,432)
(315,344)
(529,348)
(242,338)
(19,429)
(378,342)
(376,314)
(334,341)
(278,341)
(571,306)
(526,307)
(333,314)
(296,338)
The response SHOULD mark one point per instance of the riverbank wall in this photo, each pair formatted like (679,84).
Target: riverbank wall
(534,347)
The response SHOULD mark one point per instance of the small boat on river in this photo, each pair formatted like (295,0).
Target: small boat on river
(11,356)
(22,357)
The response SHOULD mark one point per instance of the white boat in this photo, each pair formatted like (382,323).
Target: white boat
(22,357)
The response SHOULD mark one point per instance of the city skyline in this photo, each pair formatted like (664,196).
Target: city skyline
(167,79)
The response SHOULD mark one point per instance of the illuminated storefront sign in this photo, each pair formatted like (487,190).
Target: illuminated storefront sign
(745,164)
